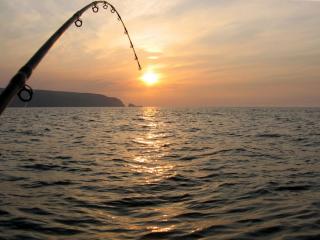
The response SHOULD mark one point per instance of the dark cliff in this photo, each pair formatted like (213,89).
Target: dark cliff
(44,98)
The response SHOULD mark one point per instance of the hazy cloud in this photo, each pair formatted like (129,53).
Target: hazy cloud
(208,52)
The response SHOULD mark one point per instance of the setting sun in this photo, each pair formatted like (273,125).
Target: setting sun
(150,78)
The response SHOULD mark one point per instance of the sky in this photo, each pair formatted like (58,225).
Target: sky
(205,53)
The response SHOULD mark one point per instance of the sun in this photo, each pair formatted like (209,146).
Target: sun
(150,78)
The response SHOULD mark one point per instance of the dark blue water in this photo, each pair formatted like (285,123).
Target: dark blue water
(154,173)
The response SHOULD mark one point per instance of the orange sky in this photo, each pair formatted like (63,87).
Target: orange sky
(206,53)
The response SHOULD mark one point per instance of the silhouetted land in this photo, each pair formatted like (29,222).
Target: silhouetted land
(133,105)
(44,98)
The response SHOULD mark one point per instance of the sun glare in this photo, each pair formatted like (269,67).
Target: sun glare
(150,78)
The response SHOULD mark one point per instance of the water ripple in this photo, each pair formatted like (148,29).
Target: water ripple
(154,173)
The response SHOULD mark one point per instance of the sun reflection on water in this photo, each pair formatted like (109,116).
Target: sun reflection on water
(157,229)
(148,158)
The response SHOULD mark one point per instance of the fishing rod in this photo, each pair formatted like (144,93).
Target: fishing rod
(18,86)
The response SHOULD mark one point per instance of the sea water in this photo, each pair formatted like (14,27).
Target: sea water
(160,173)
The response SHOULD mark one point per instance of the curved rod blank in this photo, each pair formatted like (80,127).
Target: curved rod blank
(18,82)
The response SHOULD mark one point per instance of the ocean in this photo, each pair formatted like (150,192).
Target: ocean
(160,173)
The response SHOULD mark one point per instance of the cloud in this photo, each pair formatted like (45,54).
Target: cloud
(203,49)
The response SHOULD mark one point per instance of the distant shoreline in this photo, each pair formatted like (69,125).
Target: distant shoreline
(46,98)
